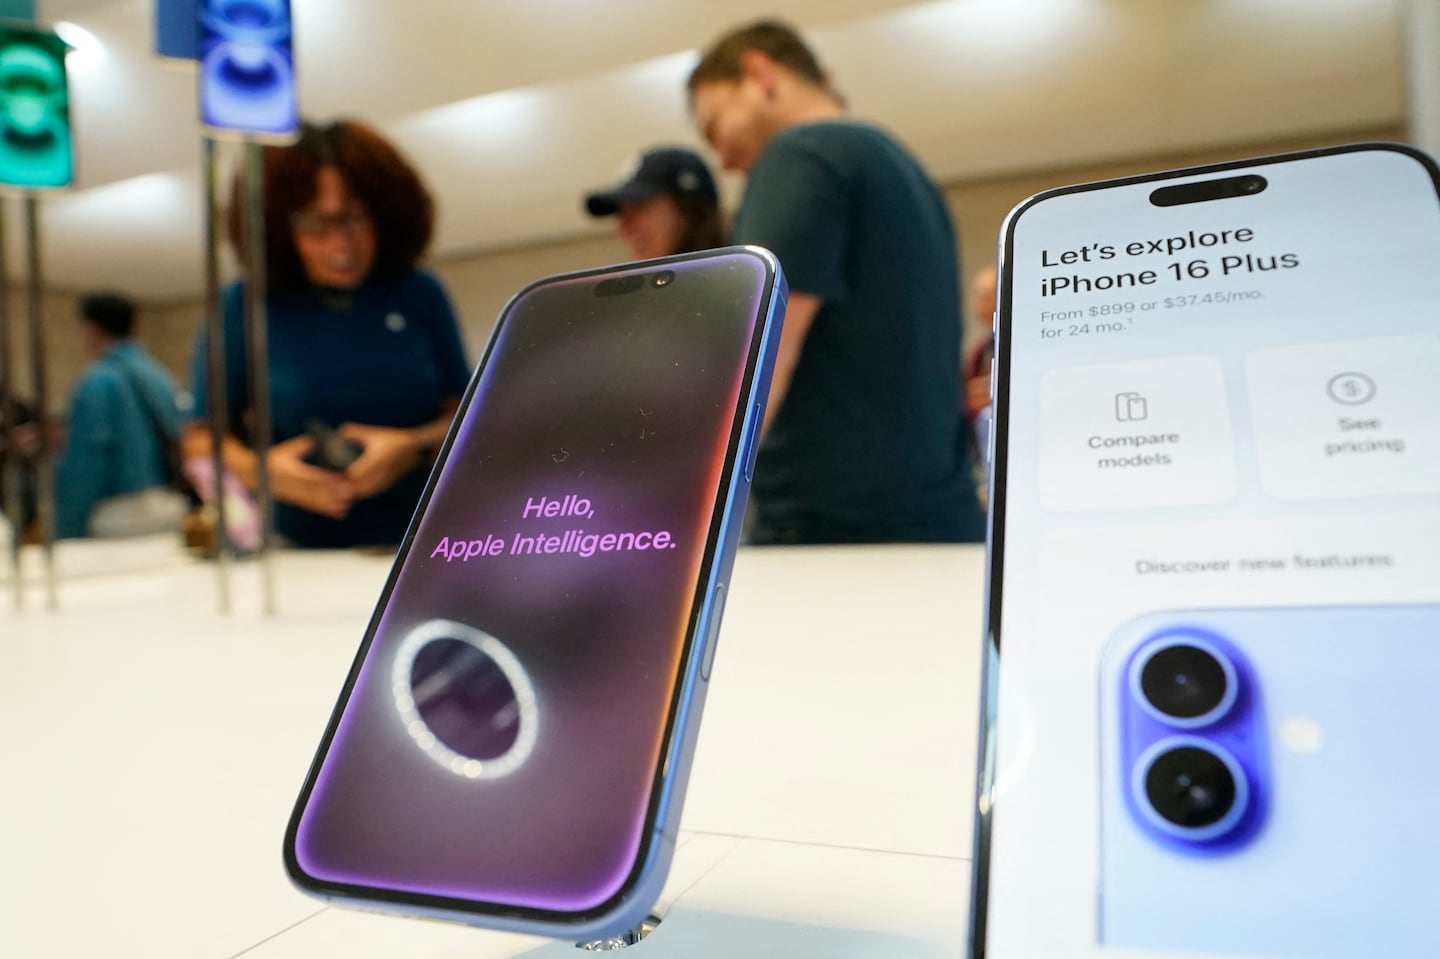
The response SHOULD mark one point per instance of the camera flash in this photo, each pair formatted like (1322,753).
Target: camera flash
(1302,735)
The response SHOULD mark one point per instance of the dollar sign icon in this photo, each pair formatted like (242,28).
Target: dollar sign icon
(1350,388)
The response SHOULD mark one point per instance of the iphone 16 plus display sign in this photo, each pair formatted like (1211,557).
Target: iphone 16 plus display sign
(1214,617)
(512,742)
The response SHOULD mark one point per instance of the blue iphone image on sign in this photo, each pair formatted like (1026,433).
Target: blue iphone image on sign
(1264,774)
(247,67)
(35,142)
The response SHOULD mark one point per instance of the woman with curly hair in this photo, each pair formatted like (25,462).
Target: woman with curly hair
(360,340)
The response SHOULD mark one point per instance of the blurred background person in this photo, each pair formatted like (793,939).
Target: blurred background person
(111,477)
(366,361)
(979,410)
(865,438)
(19,453)
(667,204)
(979,354)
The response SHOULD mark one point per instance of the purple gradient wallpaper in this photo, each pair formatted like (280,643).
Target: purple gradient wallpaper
(502,739)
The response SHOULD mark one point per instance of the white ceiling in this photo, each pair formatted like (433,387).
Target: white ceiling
(512,109)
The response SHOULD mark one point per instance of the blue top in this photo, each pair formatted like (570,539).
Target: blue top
(111,447)
(869,443)
(390,356)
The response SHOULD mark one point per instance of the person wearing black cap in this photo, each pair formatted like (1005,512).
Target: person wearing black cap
(665,204)
(111,479)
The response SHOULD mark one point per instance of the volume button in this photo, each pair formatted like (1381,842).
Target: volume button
(712,632)
(757,420)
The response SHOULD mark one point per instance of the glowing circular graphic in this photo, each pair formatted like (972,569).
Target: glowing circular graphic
(464,699)
(248,87)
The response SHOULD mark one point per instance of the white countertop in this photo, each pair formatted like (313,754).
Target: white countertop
(152,748)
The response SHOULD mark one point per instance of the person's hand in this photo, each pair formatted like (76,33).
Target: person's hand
(26,439)
(388,455)
(309,487)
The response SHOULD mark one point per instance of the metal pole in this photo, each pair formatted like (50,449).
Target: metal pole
(257,346)
(215,379)
(44,466)
(10,475)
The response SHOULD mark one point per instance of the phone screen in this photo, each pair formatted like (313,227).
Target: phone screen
(247,67)
(35,139)
(1215,579)
(501,738)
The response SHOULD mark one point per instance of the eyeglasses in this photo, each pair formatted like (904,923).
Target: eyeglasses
(316,224)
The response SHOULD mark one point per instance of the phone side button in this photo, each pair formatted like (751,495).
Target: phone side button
(712,634)
(756,422)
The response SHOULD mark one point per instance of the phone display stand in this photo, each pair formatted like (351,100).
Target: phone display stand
(623,940)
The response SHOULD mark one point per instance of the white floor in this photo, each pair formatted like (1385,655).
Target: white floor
(151,749)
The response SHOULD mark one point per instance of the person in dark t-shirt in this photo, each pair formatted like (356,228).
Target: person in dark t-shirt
(864,438)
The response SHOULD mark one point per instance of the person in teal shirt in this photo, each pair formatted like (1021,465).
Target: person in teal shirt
(112,443)
(361,341)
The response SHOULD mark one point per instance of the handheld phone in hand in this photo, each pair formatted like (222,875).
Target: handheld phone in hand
(513,740)
(247,68)
(331,451)
(1215,565)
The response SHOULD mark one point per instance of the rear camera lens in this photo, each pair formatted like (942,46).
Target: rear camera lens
(1190,787)
(1185,682)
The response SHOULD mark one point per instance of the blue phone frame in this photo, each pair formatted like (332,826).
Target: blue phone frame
(630,906)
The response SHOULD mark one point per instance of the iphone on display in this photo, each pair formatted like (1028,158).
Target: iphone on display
(1214,585)
(512,743)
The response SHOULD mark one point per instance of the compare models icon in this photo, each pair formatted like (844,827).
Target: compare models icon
(1131,407)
